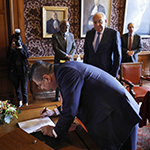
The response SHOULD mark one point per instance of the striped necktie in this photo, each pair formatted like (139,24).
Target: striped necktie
(130,42)
(97,41)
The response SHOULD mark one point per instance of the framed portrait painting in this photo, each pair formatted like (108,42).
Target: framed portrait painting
(88,9)
(51,17)
(138,13)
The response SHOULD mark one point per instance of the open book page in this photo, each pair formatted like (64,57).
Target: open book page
(33,125)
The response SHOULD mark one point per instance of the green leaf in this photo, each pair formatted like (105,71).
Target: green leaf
(18,111)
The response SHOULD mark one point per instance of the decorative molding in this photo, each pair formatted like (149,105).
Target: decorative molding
(11,16)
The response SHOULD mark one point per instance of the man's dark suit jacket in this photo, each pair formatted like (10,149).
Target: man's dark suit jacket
(136,47)
(61,48)
(104,106)
(24,54)
(50,28)
(108,54)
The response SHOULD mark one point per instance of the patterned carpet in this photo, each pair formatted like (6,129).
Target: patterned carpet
(143,138)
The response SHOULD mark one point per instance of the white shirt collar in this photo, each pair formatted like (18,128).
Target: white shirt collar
(131,35)
(102,31)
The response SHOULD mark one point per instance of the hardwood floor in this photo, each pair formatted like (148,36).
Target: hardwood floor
(146,83)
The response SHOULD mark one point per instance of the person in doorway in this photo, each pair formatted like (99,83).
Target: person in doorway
(19,67)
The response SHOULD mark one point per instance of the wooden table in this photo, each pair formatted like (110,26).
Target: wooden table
(14,138)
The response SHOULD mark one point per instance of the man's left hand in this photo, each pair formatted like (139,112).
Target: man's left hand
(47,130)
(130,53)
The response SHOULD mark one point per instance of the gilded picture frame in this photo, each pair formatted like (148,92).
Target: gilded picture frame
(51,17)
(87,7)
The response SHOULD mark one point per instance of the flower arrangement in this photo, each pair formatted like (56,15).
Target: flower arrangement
(7,111)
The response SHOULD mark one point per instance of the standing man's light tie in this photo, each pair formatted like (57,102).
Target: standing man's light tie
(97,41)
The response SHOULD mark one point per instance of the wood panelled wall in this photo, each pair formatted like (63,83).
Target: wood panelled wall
(3,30)
(6,91)
(10,18)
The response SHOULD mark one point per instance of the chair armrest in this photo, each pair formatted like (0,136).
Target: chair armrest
(145,78)
(128,82)
(130,85)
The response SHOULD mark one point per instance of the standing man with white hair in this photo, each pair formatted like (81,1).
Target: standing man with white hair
(102,47)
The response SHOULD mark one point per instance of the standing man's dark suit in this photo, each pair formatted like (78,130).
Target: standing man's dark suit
(105,107)
(104,53)
(62,48)
(136,47)
(108,54)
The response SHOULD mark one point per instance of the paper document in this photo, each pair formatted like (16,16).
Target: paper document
(33,125)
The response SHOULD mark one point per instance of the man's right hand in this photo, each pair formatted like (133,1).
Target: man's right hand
(130,53)
(69,58)
(47,113)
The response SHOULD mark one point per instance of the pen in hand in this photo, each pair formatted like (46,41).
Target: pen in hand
(44,110)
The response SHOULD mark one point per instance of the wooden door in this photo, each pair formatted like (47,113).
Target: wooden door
(6,89)
(11,17)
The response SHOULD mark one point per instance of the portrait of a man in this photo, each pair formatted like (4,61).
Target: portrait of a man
(138,13)
(52,25)
(89,8)
(51,17)
(97,7)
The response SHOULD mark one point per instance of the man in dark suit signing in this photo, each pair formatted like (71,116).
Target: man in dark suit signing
(105,107)
(130,51)
(102,47)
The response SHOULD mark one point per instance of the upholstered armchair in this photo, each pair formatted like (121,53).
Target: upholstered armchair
(132,79)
